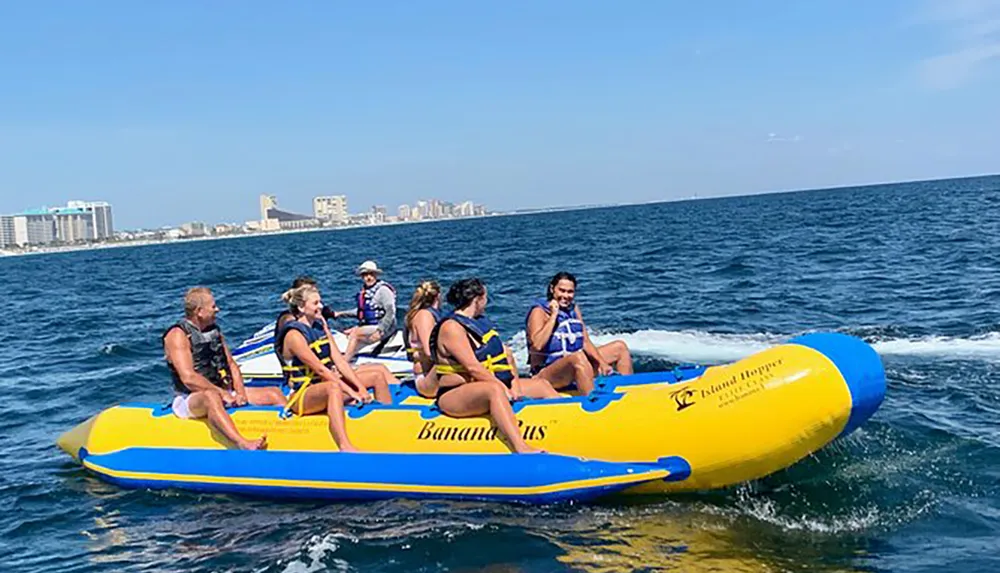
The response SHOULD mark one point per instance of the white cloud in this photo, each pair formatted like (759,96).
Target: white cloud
(971,30)
(775,138)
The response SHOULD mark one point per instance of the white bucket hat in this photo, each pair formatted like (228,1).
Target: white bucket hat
(368,267)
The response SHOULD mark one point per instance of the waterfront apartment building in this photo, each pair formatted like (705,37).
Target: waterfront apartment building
(6,231)
(34,228)
(331,208)
(78,221)
(74,225)
(99,213)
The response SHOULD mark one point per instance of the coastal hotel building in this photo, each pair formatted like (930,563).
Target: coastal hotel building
(78,221)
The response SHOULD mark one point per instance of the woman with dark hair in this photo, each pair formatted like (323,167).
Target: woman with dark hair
(559,348)
(476,371)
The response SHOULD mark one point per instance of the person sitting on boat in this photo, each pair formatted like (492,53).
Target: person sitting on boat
(371,374)
(476,371)
(421,318)
(559,348)
(376,310)
(206,378)
(314,368)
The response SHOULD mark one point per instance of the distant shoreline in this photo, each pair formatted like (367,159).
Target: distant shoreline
(144,242)
(42,250)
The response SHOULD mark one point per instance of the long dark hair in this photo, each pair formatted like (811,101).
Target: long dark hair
(463,292)
(560,276)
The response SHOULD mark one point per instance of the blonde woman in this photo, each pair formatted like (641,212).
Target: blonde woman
(314,368)
(421,318)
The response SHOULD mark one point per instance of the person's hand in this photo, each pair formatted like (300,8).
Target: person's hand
(228,400)
(241,398)
(376,336)
(604,369)
(515,390)
(554,307)
(362,397)
(509,392)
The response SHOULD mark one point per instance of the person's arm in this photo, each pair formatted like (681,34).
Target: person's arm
(541,325)
(177,347)
(423,324)
(455,340)
(297,345)
(348,374)
(387,300)
(235,375)
(329,313)
(603,368)
(511,361)
(515,385)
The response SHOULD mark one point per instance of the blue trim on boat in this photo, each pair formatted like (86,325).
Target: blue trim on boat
(861,368)
(408,470)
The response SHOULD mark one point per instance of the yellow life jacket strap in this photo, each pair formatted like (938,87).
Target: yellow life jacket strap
(493,364)
(297,397)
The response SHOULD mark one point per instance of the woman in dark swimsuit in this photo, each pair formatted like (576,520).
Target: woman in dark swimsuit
(476,371)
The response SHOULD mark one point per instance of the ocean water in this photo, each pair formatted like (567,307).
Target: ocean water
(913,268)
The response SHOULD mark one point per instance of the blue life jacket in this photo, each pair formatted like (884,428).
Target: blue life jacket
(296,372)
(369,313)
(208,353)
(567,336)
(486,344)
(411,351)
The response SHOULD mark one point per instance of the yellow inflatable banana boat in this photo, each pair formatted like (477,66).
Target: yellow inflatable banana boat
(688,429)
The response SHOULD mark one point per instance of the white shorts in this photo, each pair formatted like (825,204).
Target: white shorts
(180,405)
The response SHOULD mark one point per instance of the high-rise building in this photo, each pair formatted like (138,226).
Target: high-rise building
(6,231)
(465,209)
(331,208)
(74,225)
(378,214)
(404,212)
(34,228)
(267,202)
(100,217)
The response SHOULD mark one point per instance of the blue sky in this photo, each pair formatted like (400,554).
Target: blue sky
(187,110)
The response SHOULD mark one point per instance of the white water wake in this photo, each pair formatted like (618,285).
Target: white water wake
(710,348)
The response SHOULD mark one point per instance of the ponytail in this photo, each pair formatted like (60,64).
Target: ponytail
(423,297)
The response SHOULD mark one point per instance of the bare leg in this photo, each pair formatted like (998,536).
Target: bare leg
(377,378)
(270,396)
(478,398)
(564,371)
(536,388)
(209,404)
(617,355)
(327,396)
(357,337)
(352,344)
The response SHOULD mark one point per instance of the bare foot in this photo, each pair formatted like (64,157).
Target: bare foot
(258,444)
(529,450)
